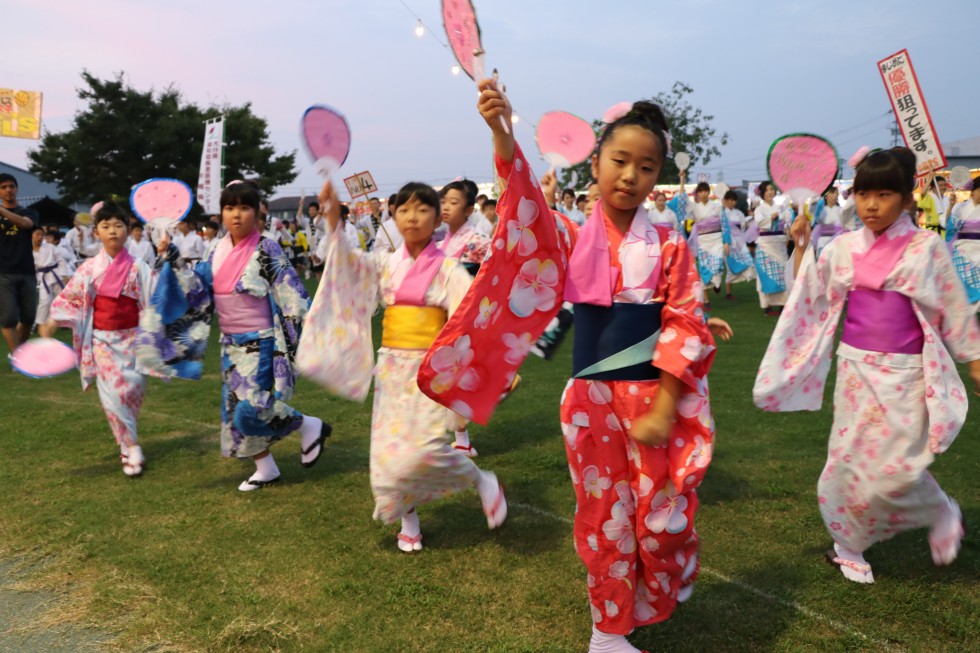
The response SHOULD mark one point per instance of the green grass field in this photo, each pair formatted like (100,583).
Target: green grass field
(179,560)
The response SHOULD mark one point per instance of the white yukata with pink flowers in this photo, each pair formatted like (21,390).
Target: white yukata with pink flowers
(894,412)
(412,459)
(107,357)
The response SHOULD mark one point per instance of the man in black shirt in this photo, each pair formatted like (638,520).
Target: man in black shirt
(18,284)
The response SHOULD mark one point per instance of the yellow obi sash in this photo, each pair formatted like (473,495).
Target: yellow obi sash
(411,327)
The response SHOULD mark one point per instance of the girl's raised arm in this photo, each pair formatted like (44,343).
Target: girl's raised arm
(492,105)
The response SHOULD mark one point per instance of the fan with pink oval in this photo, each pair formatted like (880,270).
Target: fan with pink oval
(41,358)
(161,203)
(326,135)
(803,166)
(564,140)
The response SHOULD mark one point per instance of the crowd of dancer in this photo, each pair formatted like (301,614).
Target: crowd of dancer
(466,298)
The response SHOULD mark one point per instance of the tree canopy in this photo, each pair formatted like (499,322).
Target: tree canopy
(691,130)
(125,136)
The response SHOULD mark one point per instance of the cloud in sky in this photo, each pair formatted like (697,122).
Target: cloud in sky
(761,68)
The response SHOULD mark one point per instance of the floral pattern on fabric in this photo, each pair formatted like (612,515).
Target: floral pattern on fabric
(527,260)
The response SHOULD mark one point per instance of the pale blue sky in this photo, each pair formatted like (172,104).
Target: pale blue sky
(762,69)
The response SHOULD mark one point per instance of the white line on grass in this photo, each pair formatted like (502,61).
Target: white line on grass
(802,609)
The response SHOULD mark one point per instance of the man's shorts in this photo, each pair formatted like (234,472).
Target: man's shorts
(18,299)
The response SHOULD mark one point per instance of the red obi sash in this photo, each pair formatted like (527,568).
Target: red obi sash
(115,313)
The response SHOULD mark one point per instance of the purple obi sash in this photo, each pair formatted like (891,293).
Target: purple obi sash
(970,230)
(869,310)
(709,226)
(772,233)
(240,312)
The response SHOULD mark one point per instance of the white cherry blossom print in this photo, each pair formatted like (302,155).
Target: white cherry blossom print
(535,287)
(451,364)
(593,482)
(519,232)
(667,512)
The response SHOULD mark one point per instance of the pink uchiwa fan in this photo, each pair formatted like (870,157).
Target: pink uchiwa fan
(327,138)
(463,32)
(41,358)
(161,203)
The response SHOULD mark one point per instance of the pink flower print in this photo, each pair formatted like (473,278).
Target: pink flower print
(534,287)
(668,335)
(593,542)
(643,609)
(487,309)
(570,431)
(599,393)
(625,494)
(693,405)
(701,455)
(593,483)
(668,514)
(451,363)
(649,544)
(612,609)
(519,232)
(620,570)
(517,347)
(596,614)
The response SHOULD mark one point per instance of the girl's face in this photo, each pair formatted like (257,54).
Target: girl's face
(702,196)
(627,167)
(112,234)
(239,220)
(769,194)
(728,204)
(832,197)
(975,194)
(454,211)
(660,201)
(879,209)
(416,221)
(592,198)
(37,237)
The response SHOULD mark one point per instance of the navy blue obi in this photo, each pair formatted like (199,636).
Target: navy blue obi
(616,343)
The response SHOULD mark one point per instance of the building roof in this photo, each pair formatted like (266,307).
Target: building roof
(29,187)
(965,147)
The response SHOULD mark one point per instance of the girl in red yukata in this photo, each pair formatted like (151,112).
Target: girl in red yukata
(635,414)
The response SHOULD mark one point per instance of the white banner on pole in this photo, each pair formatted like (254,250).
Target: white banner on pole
(911,112)
(209,181)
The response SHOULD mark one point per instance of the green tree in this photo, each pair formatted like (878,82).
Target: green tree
(691,130)
(124,136)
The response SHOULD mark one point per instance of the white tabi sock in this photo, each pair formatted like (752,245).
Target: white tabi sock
(309,430)
(859,571)
(410,524)
(265,469)
(605,643)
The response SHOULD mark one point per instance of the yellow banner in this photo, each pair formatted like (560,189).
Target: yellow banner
(20,113)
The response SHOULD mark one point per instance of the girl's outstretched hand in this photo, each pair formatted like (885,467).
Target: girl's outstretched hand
(720,328)
(329,205)
(974,368)
(493,105)
(653,428)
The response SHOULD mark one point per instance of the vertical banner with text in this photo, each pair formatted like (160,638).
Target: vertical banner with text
(20,113)
(911,113)
(209,181)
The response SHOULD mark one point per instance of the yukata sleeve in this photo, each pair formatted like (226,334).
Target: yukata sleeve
(726,229)
(335,349)
(514,296)
(68,307)
(948,308)
(685,348)
(794,370)
(288,293)
(175,324)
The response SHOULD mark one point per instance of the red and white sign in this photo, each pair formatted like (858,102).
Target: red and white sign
(209,180)
(361,184)
(911,113)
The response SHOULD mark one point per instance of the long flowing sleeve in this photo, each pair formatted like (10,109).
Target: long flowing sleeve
(291,302)
(794,369)
(336,348)
(175,324)
(686,347)
(515,295)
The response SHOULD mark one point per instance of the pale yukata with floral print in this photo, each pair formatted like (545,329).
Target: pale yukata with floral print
(107,356)
(634,522)
(412,460)
(894,412)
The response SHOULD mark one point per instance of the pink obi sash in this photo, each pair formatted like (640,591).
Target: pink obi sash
(869,310)
(240,312)
(229,262)
(115,275)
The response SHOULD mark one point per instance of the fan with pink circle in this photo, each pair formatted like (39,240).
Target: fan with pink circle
(564,140)
(161,203)
(326,135)
(41,358)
